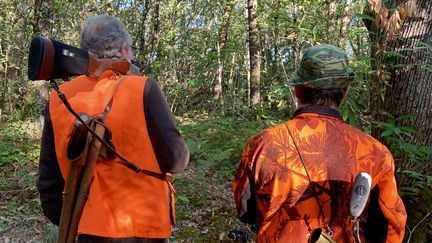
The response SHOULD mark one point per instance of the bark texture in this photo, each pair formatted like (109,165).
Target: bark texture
(223,38)
(410,90)
(407,90)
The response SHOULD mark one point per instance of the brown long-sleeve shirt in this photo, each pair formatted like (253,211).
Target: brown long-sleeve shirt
(170,149)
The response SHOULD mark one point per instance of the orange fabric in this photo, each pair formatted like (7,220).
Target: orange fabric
(334,154)
(121,203)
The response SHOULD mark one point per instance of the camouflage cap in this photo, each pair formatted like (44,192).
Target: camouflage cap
(323,67)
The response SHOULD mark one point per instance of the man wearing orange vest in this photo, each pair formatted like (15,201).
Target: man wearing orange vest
(122,206)
(297,177)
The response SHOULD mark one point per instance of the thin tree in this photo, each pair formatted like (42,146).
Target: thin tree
(154,42)
(142,48)
(223,38)
(254,52)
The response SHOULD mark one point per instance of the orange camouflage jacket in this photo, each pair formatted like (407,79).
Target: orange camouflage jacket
(272,190)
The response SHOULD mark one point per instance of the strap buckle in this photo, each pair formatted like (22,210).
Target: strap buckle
(169,177)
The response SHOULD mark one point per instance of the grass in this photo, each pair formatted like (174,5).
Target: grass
(21,219)
(204,198)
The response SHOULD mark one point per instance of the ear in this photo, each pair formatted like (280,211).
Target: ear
(127,53)
(346,91)
(124,52)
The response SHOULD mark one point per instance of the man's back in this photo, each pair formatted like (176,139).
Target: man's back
(119,203)
(334,153)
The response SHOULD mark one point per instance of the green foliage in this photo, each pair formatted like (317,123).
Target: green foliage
(419,183)
(50,235)
(19,201)
(205,209)
(17,145)
(396,136)
(422,47)
(216,143)
(2,226)
(177,45)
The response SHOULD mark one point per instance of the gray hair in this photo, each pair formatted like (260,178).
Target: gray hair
(105,36)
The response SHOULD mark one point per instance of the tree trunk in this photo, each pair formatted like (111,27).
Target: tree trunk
(155,37)
(346,18)
(223,38)
(231,75)
(411,85)
(43,22)
(254,53)
(411,93)
(142,48)
(331,21)
(408,90)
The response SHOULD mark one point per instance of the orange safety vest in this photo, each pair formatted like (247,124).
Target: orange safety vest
(121,203)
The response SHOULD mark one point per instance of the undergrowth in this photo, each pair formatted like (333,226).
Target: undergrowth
(216,144)
(204,198)
(21,219)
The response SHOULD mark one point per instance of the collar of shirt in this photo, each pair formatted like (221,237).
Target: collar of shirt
(321,110)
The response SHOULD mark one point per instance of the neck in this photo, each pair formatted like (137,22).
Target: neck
(319,109)
(333,106)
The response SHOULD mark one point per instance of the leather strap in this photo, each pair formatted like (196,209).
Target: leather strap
(109,104)
(168,177)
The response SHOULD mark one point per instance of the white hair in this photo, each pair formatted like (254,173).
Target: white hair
(104,36)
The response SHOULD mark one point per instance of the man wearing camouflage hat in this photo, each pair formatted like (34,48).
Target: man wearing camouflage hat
(296,177)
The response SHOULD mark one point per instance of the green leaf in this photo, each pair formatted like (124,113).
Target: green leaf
(387,114)
(386,133)
(365,16)
(408,191)
(395,53)
(182,198)
(384,124)
(204,163)
(406,129)
(414,174)
(406,117)
(2,226)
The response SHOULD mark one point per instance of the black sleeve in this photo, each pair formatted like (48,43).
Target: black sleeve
(169,146)
(50,182)
(248,209)
(376,226)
